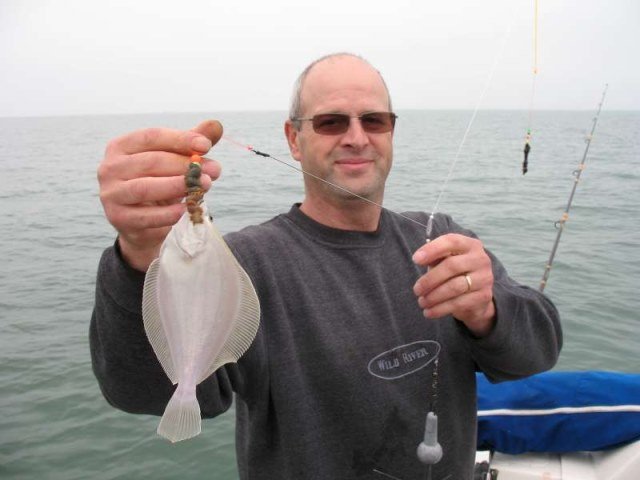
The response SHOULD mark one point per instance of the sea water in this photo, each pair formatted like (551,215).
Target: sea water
(54,422)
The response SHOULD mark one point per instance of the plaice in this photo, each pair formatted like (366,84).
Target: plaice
(200,311)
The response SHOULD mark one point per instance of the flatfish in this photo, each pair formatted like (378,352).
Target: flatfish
(200,311)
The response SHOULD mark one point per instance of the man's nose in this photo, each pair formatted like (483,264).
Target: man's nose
(355,135)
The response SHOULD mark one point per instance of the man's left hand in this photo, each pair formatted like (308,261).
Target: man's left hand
(459,282)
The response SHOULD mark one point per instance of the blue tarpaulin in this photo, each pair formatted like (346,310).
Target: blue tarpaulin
(559,412)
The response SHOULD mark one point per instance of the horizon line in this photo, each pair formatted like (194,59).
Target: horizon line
(194,112)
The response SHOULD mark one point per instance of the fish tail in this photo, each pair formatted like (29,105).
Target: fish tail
(181,419)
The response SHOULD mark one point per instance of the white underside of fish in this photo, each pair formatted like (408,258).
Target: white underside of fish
(200,311)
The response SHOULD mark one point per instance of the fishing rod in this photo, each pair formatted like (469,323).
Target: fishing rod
(565,216)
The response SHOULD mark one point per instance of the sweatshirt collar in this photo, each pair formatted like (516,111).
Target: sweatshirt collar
(336,236)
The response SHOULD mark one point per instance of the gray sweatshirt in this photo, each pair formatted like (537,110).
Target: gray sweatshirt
(344,368)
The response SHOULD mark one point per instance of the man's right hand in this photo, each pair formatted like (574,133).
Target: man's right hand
(142,184)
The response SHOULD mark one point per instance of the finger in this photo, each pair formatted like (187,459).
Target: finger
(442,272)
(448,269)
(446,246)
(460,307)
(212,129)
(440,248)
(144,164)
(152,164)
(464,308)
(453,288)
(138,218)
(160,139)
(211,168)
(149,189)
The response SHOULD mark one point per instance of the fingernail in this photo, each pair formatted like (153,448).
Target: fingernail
(419,257)
(201,144)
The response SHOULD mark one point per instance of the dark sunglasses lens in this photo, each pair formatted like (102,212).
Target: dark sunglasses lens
(331,123)
(338,123)
(378,122)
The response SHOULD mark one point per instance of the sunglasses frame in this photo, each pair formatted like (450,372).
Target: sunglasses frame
(344,127)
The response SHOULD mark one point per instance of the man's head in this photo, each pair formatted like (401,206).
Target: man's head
(357,157)
(295,108)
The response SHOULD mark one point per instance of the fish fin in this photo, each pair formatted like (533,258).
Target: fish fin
(181,419)
(246,326)
(153,322)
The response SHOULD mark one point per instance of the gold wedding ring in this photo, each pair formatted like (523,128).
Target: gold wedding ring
(468,279)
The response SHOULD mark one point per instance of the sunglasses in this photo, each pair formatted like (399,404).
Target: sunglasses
(338,123)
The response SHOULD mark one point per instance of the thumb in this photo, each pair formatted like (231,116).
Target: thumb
(212,129)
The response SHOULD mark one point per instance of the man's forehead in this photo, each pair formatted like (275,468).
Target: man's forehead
(346,66)
(338,73)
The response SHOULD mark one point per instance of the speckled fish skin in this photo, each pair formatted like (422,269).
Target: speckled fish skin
(200,311)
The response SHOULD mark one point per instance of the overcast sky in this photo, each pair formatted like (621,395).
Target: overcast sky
(60,57)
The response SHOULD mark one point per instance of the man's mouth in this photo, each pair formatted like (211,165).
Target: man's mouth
(353,164)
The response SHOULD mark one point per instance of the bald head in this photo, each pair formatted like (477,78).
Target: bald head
(323,65)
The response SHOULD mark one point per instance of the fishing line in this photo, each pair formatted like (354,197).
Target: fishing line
(535,64)
(430,451)
(334,185)
(466,133)
(528,135)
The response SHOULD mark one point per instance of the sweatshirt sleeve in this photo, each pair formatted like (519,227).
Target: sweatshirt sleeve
(527,336)
(128,372)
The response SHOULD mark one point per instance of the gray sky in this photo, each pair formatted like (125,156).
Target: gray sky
(90,57)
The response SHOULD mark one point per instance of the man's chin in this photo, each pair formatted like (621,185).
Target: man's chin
(356,192)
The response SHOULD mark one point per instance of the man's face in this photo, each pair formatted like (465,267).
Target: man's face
(355,160)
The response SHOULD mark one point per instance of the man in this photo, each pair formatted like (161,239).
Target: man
(345,366)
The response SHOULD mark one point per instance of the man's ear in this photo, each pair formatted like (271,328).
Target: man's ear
(292,134)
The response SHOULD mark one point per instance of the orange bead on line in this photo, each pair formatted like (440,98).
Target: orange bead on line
(196,158)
